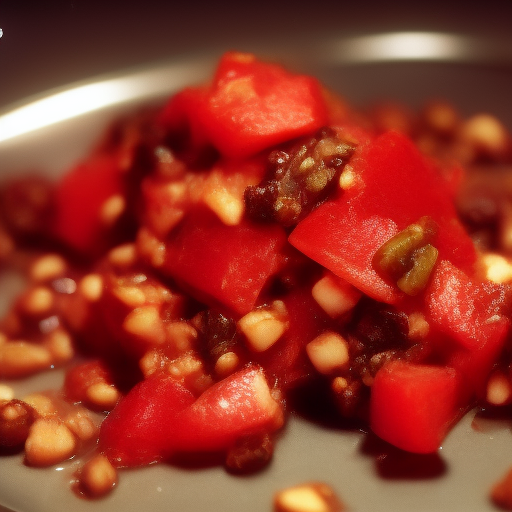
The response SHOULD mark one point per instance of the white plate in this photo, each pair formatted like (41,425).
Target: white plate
(474,74)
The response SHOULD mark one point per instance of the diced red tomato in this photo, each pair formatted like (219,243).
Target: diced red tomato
(239,405)
(471,315)
(249,106)
(80,196)
(469,311)
(225,264)
(413,406)
(394,186)
(138,430)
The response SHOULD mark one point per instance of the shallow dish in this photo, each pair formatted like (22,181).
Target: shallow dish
(476,75)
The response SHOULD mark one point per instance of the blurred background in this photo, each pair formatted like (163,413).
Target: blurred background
(45,44)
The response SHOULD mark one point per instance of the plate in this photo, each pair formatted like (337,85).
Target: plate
(51,131)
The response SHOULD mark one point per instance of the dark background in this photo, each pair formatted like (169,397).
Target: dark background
(51,43)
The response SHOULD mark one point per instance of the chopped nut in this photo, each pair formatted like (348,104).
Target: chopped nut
(499,389)
(334,295)
(49,442)
(81,425)
(112,209)
(486,133)
(328,352)
(309,497)
(42,404)
(131,296)
(102,396)
(60,345)
(48,267)
(145,322)
(226,364)
(123,255)
(496,268)
(418,326)
(37,301)
(98,477)
(6,392)
(263,328)
(91,287)
(20,358)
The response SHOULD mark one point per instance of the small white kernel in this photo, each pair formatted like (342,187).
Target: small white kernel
(91,287)
(38,301)
(334,295)
(309,497)
(347,178)
(145,322)
(496,268)
(262,328)
(112,209)
(20,358)
(81,425)
(418,326)
(49,442)
(328,352)
(225,205)
(226,364)
(131,296)
(60,345)
(499,389)
(48,267)
(102,395)
(6,392)
(43,404)
(123,255)
(98,477)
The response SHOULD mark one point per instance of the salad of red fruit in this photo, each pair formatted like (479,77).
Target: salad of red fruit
(253,241)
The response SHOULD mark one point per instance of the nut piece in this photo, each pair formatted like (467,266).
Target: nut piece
(334,295)
(20,358)
(49,443)
(98,477)
(309,497)
(328,352)
(499,389)
(263,327)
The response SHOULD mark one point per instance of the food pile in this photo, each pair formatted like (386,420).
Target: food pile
(253,238)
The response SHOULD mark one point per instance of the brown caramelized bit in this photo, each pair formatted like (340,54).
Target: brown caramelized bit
(250,454)
(16,418)
(408,258)
(298,179)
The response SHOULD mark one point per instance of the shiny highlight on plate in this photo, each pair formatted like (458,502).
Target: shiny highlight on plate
(363,49)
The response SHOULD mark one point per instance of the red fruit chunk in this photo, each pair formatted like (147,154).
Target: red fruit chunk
(394,186)
(224,264)
(471,315)
(80,197)
(238,406)
(413,406)
(249,106)
(137,431)
(469,311)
